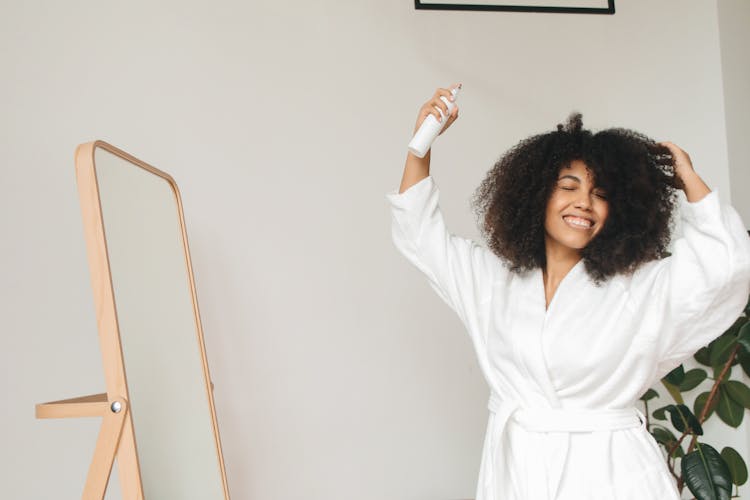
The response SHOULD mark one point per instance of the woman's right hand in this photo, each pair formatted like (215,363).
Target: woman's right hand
(417,168)
(431,108)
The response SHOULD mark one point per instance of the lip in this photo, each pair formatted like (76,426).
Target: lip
(574,226)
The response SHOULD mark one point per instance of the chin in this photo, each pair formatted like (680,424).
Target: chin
(576,243)
(573,239)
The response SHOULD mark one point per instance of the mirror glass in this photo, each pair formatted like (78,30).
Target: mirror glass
(158,323)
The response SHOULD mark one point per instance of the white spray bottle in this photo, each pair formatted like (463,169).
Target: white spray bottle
(431,127)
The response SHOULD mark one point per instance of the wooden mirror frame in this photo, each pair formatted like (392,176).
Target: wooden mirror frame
(116,435)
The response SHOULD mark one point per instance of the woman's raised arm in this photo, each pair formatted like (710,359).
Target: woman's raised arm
(694,187)
(705,283)
(461,271)
(417,168)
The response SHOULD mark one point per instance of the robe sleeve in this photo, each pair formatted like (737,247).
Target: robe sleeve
(704,284)
(459,270)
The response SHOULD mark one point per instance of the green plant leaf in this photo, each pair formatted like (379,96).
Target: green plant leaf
(744,358)
(737,467)
(664,437)
(650,394)
(743,337)
(703,356)
(700,402)
(721,348)
(673,390)
(717,371)
(707,474)
(693,378)
(676,376)
(738,391)
(728,410)
(660,413)
(736,326)
(683,419)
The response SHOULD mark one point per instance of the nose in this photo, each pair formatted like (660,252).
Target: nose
(583,202)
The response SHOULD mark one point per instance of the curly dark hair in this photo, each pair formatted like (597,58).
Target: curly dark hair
(636,173)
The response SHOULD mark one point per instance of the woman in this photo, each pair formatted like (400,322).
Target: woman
(576,308)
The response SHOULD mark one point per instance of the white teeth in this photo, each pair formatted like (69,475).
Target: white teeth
(577,221)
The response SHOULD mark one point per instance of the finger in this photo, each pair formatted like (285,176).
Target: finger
(454,114)
(680,156)
(444,93)
(441,101)
(442,107)
(424,112)
(662,148)
(429,108)
(452,118)
(434,112)
(674,148)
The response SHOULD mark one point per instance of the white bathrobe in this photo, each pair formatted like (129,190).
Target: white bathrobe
(565,380)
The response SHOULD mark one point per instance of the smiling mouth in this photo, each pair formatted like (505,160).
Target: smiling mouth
(578,222)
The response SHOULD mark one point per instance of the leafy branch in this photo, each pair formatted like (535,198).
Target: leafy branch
(708,474)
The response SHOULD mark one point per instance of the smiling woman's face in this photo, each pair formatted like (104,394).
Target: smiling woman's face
(577,208)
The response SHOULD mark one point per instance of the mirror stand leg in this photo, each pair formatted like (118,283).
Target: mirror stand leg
(105,451)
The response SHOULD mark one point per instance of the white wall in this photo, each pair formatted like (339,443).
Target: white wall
(339,374)
(734,18)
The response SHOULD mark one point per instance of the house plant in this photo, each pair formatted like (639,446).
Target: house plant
(708,473)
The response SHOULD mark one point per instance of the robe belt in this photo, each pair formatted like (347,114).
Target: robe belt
(561,420)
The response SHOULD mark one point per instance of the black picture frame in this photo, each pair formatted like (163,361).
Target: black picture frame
(610,9)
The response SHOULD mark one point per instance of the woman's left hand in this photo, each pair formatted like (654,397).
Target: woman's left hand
(682,163)
(694,187)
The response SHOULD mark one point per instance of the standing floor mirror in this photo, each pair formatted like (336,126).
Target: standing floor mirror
(158,415)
